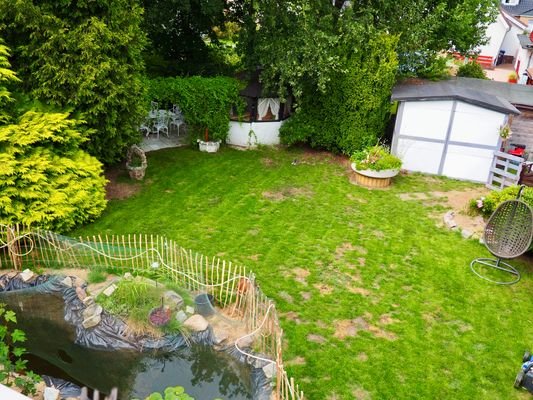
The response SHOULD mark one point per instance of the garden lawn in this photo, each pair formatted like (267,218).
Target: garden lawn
(376,301)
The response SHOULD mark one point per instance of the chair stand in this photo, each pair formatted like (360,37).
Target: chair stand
(496,264)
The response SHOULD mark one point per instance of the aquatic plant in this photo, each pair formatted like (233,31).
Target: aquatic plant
(12,366)
(172,393)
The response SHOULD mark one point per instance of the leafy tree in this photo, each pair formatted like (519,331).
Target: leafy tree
(318,49)
(83,54)
(45,179)
(178,30)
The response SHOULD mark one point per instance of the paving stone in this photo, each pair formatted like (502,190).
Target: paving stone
(26,275)
(108,291)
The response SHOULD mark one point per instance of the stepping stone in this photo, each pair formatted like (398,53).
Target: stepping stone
(196,323)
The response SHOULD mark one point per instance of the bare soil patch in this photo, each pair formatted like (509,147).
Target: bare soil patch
(293,316)
(296,361)
(268,162)
(316,338)
(287,193)
(323,288)
(300,275)
(116,190)
(359,393)
(352,327)
(457,201)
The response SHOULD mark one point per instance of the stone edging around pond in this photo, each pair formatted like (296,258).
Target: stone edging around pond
(96,328)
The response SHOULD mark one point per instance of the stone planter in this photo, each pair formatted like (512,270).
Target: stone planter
(136,171)
(208,147)
(374,179)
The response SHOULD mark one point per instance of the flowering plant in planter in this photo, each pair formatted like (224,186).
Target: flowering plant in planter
(207,145)
(375,158)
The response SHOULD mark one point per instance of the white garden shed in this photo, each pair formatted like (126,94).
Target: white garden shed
(445,129)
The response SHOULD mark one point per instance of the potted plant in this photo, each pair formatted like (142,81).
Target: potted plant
(505,132)
(512,77)
(136,162)
(206,145)
(375,166)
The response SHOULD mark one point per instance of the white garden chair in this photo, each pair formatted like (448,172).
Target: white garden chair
(161,124)
(176,118)
(145,128)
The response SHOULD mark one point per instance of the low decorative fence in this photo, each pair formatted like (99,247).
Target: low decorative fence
(234,288)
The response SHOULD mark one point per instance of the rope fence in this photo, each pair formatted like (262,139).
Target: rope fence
(233,287)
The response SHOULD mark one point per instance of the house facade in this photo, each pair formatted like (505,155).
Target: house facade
(506,34)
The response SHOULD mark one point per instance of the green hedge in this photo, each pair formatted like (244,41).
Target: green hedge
(205,102)
(486,205)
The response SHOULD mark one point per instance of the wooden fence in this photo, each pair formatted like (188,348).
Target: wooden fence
(233,287)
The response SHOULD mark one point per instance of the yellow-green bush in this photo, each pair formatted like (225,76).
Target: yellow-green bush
(45,179)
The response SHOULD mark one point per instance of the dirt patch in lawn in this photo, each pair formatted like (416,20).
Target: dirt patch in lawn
(316,338)
(359,393)
(300,275)
(287,193)
(116,190)
(295,361)
(268,162)
(323,288)
(346,247)
(457,201)
(352,327)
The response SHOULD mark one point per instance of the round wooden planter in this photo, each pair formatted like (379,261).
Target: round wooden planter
(374,179)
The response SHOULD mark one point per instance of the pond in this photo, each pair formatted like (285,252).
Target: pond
(204,373)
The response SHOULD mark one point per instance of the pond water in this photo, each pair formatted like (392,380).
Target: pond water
(204,373)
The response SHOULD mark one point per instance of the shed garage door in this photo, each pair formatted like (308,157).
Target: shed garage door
(450,138)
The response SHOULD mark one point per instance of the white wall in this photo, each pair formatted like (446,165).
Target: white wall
(496,33)
(421,139)
(523,57)
(476,125)
(419,156)
(468,163)
(266,133)
(511,44)
(428,119)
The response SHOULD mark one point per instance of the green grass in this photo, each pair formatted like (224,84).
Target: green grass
(96,276)
(378,260)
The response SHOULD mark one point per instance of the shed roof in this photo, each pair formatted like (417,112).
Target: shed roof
(524,7)
(451,90)
(518,95)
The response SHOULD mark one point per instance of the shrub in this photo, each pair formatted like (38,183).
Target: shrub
(12,366)
(471,70)
(487,205)
(354,108)
(376,158)
(205,102)
(45,179)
